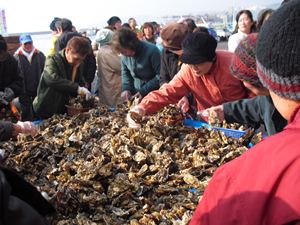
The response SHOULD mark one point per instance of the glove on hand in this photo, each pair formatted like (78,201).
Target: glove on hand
(28,128)
(134,116)
(84,91)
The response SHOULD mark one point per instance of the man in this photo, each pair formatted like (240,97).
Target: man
(31,65)
(140,64)
(10,81)
(205,74)
(66,30)
(261,186)
(62,78)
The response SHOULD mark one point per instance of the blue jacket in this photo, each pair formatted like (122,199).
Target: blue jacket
(141,72)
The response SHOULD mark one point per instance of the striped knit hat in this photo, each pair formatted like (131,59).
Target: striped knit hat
(278,51)
(243,65)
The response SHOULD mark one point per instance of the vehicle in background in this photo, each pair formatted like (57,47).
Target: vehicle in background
(223,34)
(213,33)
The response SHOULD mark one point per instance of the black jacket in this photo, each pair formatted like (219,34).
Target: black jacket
(9,76)
(20,202)
(169,67)
(255,112)
(6,130)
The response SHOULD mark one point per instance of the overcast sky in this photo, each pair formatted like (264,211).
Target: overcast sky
(36,15)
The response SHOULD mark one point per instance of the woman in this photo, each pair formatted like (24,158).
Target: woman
(148,33)
(109,70)
(244,26)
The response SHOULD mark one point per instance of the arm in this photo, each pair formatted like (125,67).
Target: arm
(127,79)
(244,111)
(53,78)
(153,84)
(17,81)
(169,93)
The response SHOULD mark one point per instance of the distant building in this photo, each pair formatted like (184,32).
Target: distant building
(3,27)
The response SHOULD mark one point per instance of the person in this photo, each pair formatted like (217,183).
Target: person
(10,80)
(140,64)
(54,35)
(148,33)
(262,17)
(172,36)
(244,26)
(67,31)
(109,70)
(62,78)
(190,24)
(31,63)
(133,26)
(255,111)
(114,23)
(205,73)
(9,129)
(21,203)
(260,186)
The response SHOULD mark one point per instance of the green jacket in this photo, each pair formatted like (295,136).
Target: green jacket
(141,73)
(56,86)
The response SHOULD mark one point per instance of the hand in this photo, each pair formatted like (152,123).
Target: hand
(137,95)
(125,96)
(212,114)
(84,91)
(134,117)
(27,128)
(184,104)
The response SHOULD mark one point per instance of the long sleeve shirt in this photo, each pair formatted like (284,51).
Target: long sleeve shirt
(214,88)
(141,72)
(259,187)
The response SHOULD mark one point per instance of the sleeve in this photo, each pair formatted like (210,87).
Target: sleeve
(54,80)
(169,93)
(164,74)
(6,130)
(244,111)
(17,81)
(232,43)
(127,79)
(90,65)
(153,84)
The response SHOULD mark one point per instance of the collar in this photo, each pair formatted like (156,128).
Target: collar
(20,51)
(296,111)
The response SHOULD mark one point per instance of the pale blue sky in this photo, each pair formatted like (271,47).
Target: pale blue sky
(34,15)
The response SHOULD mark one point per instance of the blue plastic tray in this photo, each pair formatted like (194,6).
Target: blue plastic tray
(228,132)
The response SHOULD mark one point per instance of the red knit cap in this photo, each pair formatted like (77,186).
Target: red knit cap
(243,65)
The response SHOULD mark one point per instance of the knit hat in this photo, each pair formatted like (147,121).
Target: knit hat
(104,36)
(278,51)
(243,65)
(198,47)
(173,35)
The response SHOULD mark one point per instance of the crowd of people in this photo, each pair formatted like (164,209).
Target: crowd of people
(255,82)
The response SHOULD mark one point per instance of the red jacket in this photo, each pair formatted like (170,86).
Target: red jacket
(260,187)
(214,88)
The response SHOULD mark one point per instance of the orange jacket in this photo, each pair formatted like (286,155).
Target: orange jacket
(214,88)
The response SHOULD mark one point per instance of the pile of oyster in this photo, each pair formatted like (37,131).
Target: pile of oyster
(96,170)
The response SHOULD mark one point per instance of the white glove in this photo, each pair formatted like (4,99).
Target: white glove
(27,128)
(136,111)
(212,114)
(84,91)
(125,96)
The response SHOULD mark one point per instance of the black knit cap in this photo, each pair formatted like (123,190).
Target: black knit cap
(278,51)
(198,47)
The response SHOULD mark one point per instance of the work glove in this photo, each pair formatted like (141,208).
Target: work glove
(27,128)
(84,91)
(125,96)
(134,116)
(9,94)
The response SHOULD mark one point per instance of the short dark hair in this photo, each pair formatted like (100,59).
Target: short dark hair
(113,20)
(261,18)
(191,24)
(65,24)
(79,45)
(124,38)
